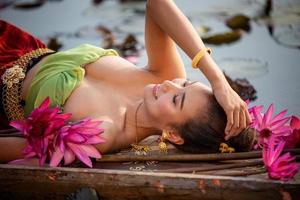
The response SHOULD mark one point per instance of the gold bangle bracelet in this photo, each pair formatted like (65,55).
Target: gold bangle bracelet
(199,56)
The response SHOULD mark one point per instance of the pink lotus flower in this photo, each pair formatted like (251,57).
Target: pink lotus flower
(266,125)
(293,140)
(39,129)
(77,140)
(253,109)
(279,167)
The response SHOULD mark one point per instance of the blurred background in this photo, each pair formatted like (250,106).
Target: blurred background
(255,42)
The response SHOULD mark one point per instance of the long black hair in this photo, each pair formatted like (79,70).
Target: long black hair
(205,132)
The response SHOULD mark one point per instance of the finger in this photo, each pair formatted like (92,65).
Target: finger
(229,122)
(235,125)
(227,137)
(248,117)
(243,123)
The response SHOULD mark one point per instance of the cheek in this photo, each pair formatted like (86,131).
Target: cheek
(163,108)
(159,109)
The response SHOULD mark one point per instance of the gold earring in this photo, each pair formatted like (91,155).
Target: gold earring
(163,147)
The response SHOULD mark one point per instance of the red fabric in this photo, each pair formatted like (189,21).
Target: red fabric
(14,43)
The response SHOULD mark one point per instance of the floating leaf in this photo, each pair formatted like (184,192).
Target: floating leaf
(284,22)
(125,1)
(6,3)
(129,46)
(108,37)
(242,87)
(243,67)
(239,22)
(223,38)
(289,38)
(29,4)
(96,2)
(251,8)
(54,44)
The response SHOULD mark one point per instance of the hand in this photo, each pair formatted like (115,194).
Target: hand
(238,117)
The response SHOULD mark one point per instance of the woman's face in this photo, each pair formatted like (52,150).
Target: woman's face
(176,101)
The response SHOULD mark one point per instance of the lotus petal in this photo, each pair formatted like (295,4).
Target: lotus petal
(90,150)
(268,115)
(279,115)
(69,157)
(95,140)
(80,155)
(56,157)
(19,124)
(76,138)
(277,124)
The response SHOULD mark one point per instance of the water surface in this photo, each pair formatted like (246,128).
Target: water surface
(270,65)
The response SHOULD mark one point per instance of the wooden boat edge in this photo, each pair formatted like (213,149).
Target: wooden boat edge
(33,182)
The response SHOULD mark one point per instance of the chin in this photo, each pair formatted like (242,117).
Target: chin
(149,98)
(148,93)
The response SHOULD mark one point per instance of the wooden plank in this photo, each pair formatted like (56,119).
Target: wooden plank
(179,157)
(214,167)
(243,172)
(24,182)
(183,157)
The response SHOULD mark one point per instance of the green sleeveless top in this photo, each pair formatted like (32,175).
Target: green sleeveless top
(60,73)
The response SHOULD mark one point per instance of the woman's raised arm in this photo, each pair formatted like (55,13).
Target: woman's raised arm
(175,24)
(163,58)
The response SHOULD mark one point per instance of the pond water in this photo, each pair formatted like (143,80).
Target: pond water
(268,56)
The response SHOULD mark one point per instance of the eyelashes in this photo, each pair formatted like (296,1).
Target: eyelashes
(186,82)
(176,95)
(174,98)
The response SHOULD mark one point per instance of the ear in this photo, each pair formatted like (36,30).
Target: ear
(175,138)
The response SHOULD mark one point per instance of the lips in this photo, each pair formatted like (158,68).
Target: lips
(155,90)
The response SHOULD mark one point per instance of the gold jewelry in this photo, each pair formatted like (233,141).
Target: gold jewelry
(163,147)
(12,84)
(139,149)
(199,56)
(224,148)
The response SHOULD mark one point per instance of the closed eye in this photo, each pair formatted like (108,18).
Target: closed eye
(174,98)
(185,83)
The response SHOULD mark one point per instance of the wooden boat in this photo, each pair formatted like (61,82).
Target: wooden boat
(125,175)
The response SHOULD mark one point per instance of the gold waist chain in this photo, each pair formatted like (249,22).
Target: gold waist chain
(13,79)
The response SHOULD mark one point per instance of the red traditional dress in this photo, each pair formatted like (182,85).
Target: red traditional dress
(19,51)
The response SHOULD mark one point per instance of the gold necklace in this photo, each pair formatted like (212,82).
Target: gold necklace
(139,149)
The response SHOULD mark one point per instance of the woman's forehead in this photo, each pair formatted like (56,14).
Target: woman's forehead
(195,86)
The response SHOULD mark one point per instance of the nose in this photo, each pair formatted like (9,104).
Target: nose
(168,86)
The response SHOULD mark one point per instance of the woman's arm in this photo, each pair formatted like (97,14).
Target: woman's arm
(174,23)
(163,57)
(11,148)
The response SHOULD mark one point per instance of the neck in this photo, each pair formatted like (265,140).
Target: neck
(138,121)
